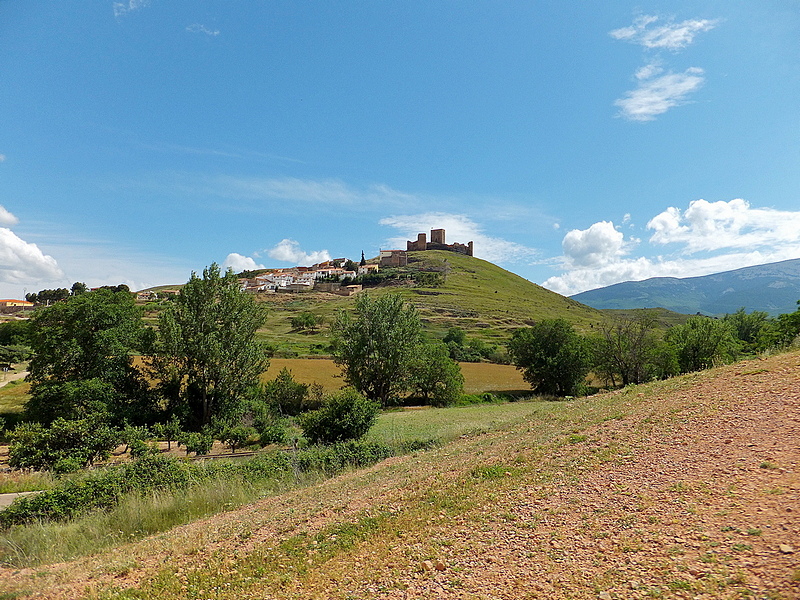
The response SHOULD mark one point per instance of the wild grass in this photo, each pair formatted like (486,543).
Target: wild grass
(135,517)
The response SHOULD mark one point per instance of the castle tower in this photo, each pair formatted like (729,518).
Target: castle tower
(437,236)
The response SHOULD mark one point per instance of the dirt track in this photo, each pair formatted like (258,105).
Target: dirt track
(694,494)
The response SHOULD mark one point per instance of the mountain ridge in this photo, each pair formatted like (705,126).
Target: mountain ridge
(772,287)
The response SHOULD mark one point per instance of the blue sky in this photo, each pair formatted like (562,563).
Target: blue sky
(578,144)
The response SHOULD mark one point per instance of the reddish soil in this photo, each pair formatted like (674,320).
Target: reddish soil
(694,494)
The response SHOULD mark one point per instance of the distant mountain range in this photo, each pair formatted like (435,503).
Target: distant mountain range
(773,288)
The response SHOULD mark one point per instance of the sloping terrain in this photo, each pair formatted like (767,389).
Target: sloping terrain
(687,488)
(483,299)
(773,288)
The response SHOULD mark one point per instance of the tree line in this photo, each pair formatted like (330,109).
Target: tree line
(101,376)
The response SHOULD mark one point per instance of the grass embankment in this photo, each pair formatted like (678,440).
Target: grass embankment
(222,486)
(648,492)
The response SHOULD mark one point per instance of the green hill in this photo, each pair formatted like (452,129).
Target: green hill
(485,300)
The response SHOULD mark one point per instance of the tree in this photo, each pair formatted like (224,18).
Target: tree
(346,415)
(306,320)
(702,342)
(435,377)
(89,337)
(285,395)
(375,347)
(78,288)
(64,446)
(626,347)
(207,356)
(747,327)
(780,332)
(553,358)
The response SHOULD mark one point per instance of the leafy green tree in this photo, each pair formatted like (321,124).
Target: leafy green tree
(747,327)
(306,320)
(89,337)
(207,356)
(456,336)
(435,377)
(553,358)
(376,346)
(79,399)
(168,431)
(626,348)
(14,333)
(346,415)
(65,445)
(780,332)
(285,395)
(78,288)
(701,343)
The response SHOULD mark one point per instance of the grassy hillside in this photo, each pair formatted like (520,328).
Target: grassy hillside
(675,489)
(478,296)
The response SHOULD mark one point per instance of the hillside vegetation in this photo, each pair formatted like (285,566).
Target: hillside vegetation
(485,300)
(683,488)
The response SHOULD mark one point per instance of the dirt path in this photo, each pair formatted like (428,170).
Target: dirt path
(691,491)
(13,377)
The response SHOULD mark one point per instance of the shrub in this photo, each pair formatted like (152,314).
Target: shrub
(285,395)
(346,415)
(198,442)
(271,430)
(83,441)
(98,490)
(337,457)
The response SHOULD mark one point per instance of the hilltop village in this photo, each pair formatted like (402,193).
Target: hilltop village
(338,276)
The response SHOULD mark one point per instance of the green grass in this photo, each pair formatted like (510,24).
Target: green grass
(442,425)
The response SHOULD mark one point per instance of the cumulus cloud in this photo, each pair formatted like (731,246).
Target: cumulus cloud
(6,218)
(708,226)
(22,262)
(710,237)
(240,263)
(123,8)
(289,251)
(458,228)
(199,28)
(647,32)
(656,95)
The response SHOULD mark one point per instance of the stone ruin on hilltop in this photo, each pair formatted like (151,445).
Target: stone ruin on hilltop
(437,243)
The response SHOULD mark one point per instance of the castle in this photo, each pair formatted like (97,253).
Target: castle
(437,243)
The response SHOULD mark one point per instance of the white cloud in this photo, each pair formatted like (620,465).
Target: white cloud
(2,157)
(669,36)
(22,262)
(289,251)
(240,263)
(122,8)
(458,228)
(593,247)
(708,226)
(6,218)
(711,237)
(656,96)
(199,28)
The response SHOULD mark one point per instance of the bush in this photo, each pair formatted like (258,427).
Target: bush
(198,442)
(286,396)
(99,490)
(82,441)
(337,457)
(346,415)
(271,430)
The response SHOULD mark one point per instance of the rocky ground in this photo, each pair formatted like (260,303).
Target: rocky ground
(683,489)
